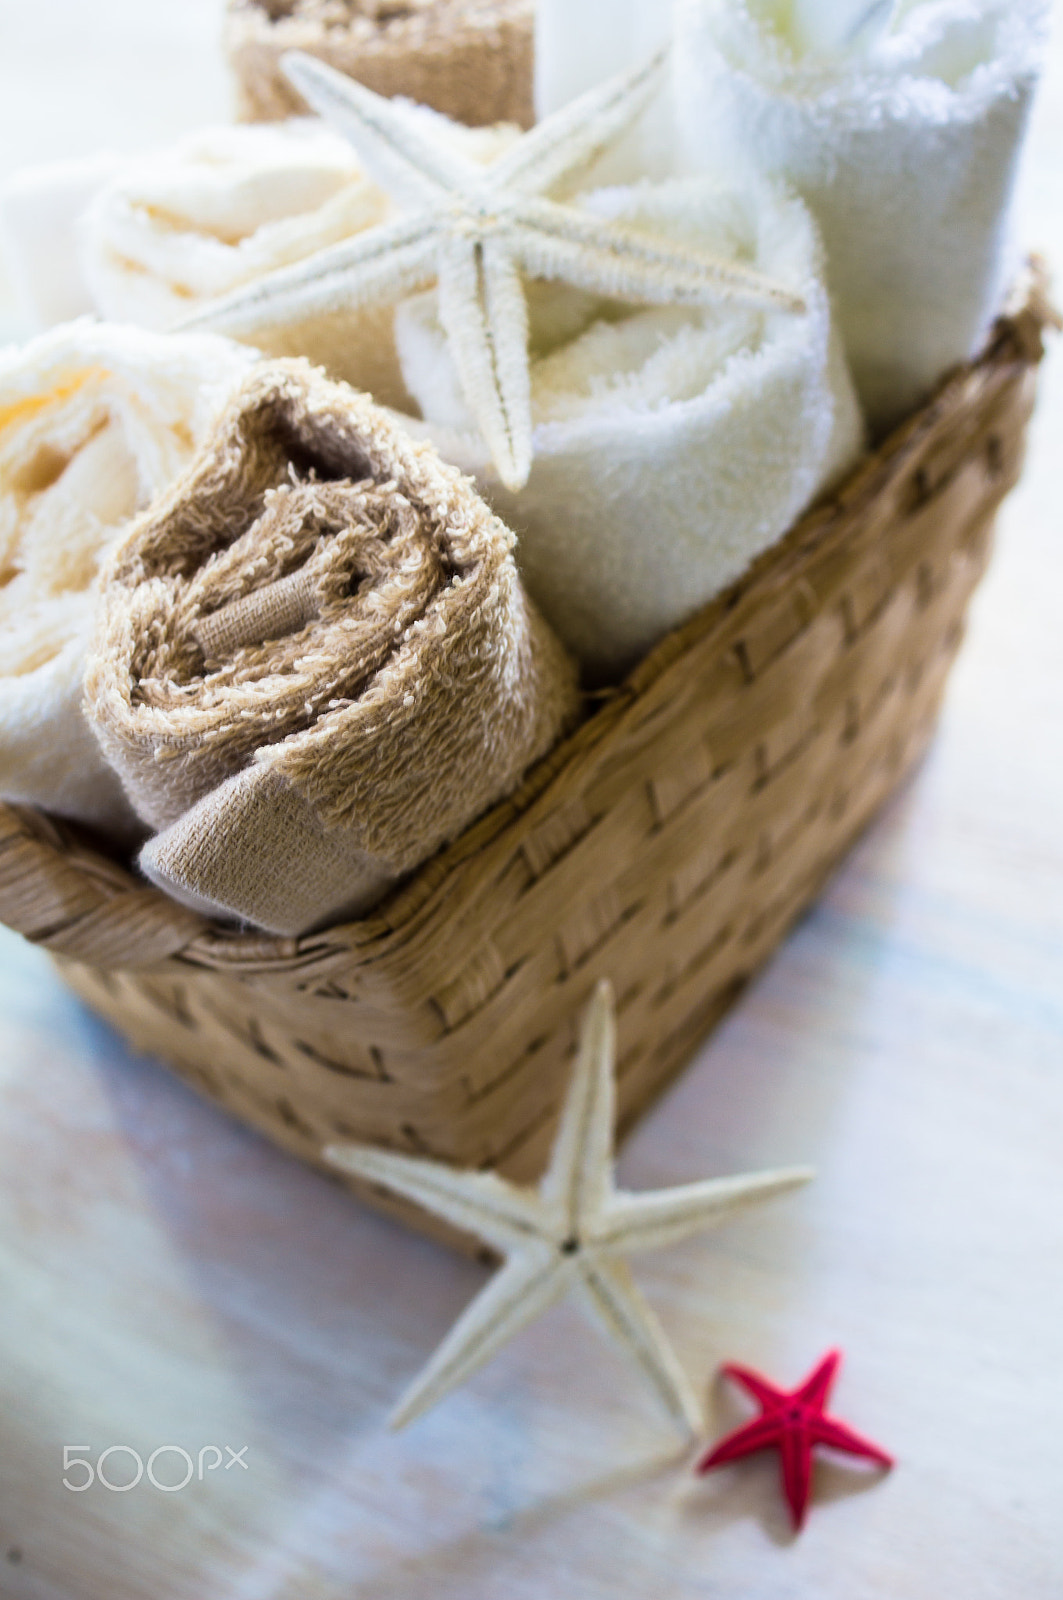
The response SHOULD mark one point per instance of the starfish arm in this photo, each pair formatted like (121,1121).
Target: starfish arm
(501,1214)
(662,1217)
(613,1299)
(394,145)
(795,1452)
(839,1436)
(625,263)
(763,1392)
(579,1178)
(485,317)
(815,1391)
(524,1288)
(580,131)
(762,1433)
(382,263)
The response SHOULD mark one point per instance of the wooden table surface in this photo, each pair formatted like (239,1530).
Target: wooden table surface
(168,1279)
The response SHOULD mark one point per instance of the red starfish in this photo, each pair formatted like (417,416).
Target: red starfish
(794,1424)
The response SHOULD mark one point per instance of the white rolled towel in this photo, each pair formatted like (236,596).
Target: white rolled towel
(900,123)
(95,420)
(671,444)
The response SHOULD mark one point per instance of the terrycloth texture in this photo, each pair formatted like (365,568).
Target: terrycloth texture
(38,208)
(901,127)
(94,421)
(671,445)
(225,207)
(315,662)
(469,58)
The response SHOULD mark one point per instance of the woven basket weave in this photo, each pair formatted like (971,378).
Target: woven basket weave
(667,845)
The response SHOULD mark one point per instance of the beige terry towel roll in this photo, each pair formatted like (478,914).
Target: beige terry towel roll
(94,421)
(315,662)
(469,58)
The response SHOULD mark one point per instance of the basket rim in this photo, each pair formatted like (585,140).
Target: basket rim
(1015,340)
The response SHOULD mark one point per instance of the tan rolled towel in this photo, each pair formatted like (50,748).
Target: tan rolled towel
(315,662)
(469,58)
(94,421)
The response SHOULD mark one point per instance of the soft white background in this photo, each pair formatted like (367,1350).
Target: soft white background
(166,1278)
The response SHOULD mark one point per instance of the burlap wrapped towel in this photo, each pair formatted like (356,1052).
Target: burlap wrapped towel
(469,58)
(94,421)
(315,662)
(671,445)
(900,123)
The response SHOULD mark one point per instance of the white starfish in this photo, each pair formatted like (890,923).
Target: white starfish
(571,1233)
(474,230)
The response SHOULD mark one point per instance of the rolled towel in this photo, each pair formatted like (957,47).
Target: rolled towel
(900,122)
(94,421)
(315,662)
(222,208)
(671,445)
(469,58)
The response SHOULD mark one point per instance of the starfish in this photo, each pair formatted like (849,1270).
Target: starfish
(473,230)
(794,1423)
(573,1232)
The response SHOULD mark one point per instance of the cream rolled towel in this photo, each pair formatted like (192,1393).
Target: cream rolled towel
(471,59)
(901,125)
(671,444)
(227,206)
(94,421)
(315,662)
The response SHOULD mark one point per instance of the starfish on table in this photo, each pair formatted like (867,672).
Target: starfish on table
(473,230)
(794,1423)
(571,1233)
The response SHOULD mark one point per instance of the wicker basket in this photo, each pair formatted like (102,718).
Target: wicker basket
(668,845)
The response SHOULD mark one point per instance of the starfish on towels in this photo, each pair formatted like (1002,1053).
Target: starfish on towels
(571,1233)
(474,230)
(794,1423)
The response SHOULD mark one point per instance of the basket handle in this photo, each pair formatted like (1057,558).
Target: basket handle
(61,894)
